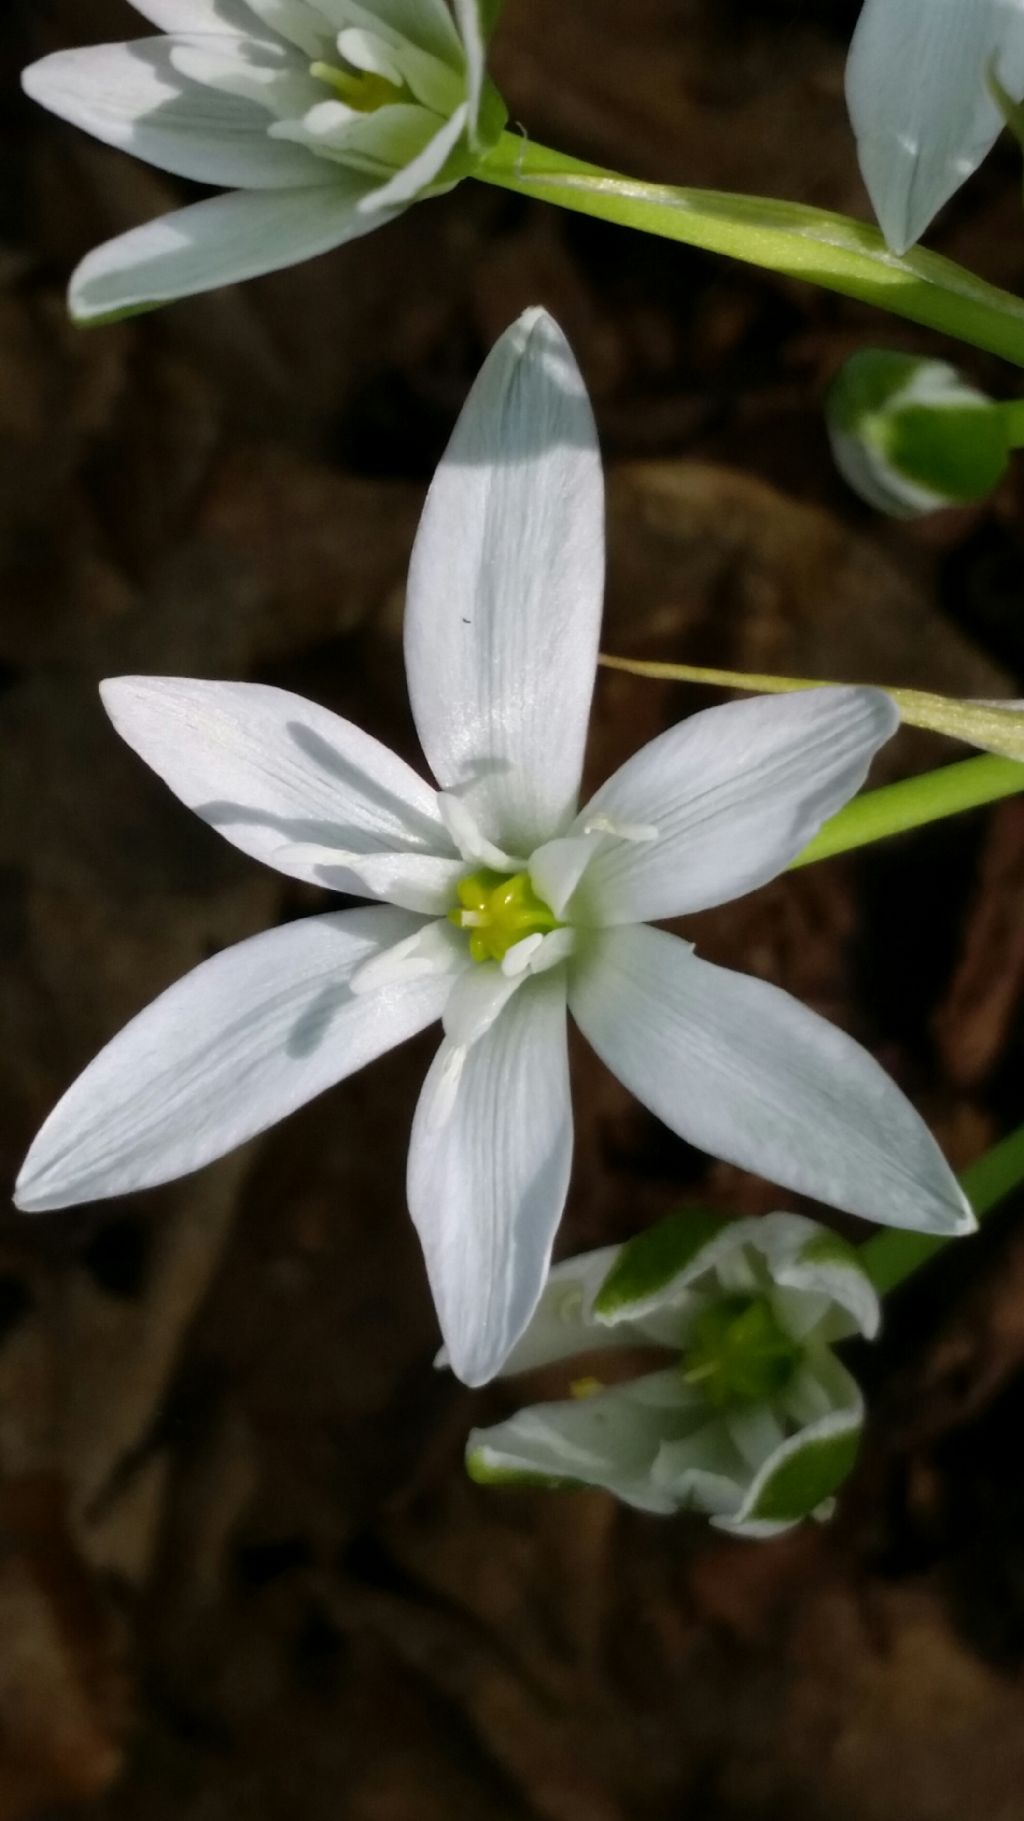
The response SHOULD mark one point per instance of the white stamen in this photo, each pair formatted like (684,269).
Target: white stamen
(471,842)
(623,831)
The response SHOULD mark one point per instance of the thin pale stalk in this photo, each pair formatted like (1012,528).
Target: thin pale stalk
(891,1257)
(815,245)
(985,724)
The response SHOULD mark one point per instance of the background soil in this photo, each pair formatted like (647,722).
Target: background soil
(241,1572)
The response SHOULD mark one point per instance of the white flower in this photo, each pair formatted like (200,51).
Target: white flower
(503,904)
(917,87)
(756,1424)
(323,119)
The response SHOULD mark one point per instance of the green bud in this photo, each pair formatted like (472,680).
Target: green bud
(911,436)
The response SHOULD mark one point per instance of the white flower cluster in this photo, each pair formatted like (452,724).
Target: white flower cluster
(755,1423)
(322,119)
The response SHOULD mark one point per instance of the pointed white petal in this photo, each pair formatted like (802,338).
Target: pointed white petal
(505,589)
(132,96)
(917,91)
(233,1047)
(219,242)
(488,1174)
(609,1440)
(421,172)
(747,1073)
(282,778)
(735,793)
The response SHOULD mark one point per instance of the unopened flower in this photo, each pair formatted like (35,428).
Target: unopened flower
(322,119)
(754,1422)
(922,103)
(912,436)
(502,904)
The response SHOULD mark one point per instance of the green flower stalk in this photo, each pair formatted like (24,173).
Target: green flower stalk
(752,1421)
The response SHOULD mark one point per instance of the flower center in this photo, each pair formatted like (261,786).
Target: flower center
(359,89)
(739,1353)
(498,912)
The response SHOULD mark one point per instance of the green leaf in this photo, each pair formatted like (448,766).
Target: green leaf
(816,245)
(648,1263)
(807,1472)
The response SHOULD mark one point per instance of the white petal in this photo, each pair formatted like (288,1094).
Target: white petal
(563,1323)
(423,172)
(611,1440)
(747,1073)
(478,997)
(234,16)
(276,81)
(285,780)
(233,1047)
(735,793)
(488,1175)
(505,589)
(475,21)
(300,21)
(132,96)
(917,91)
(219,242)
(557,868)
(426,23)
(380,143)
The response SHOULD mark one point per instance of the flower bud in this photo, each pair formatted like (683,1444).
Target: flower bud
(911,436)
(753,1420)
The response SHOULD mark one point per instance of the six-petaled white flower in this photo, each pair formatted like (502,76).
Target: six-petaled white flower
(921,102)
(755,1423)
(503,904)
(322,118)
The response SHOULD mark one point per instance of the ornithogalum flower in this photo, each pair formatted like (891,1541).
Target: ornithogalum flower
(754,1422)
(503,904)
(322,119)
(922,101)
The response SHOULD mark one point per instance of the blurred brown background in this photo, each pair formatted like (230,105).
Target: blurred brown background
(241,1573)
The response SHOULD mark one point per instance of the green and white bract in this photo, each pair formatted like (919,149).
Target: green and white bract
(912,436)
(503,903)
(755,1422)
(323,119)
(921,103)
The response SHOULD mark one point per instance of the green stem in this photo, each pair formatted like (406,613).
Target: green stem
(893,809)
(1012,414)
(815,245)
(891,1257)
